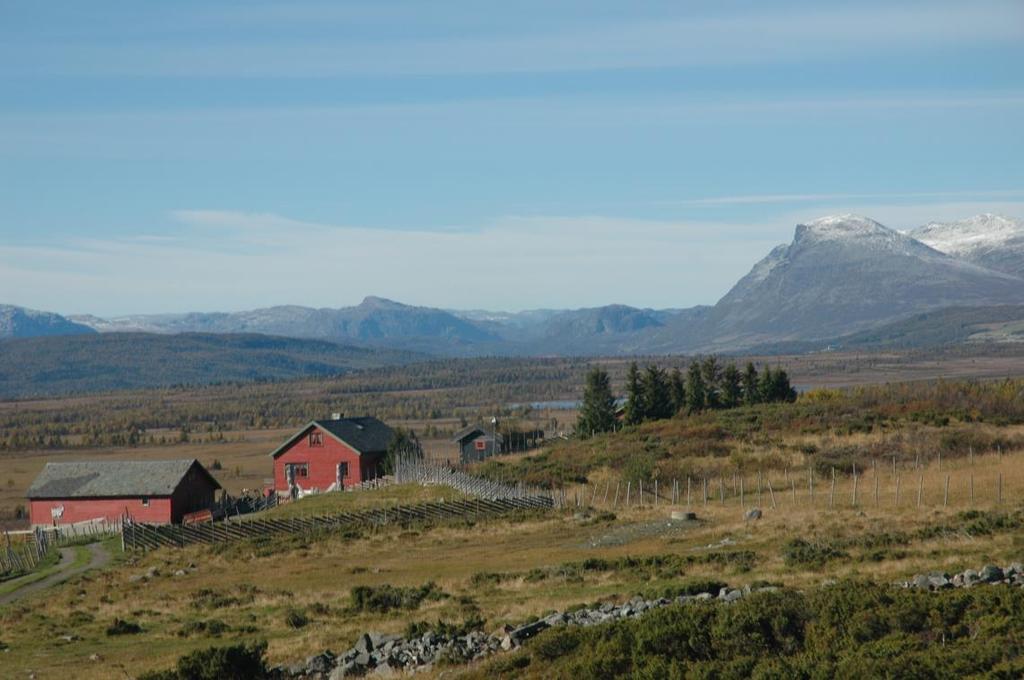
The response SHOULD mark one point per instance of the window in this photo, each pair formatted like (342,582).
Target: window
(481,444)
(342,471)
(294,471)
(316,438)
(145,502)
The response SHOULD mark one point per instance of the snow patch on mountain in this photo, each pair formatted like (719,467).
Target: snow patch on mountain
(981,232)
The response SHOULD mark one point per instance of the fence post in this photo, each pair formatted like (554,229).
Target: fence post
(945,493)
(854,485)
(771,493)
(832,493)
(920,489)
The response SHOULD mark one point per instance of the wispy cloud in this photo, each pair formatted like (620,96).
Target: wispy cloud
(747,37)
(224,259)
(766,199)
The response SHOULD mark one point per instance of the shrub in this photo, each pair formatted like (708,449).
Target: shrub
(235,662)
(383,599)
(798,552)
(296,618)
(555,643)
(122,627)
(213,628)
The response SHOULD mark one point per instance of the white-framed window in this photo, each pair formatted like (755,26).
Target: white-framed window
(145,501)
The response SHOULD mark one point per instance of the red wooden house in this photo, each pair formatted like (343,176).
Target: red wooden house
(327,455)
(151,491)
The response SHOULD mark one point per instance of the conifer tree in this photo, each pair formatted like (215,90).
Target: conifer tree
(657,396)
(695,394)
(732,389)
(751,392)
(711,372)
(597,412)
(677,388)
(636,410)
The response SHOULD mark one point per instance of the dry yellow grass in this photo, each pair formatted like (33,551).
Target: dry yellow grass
(306,575)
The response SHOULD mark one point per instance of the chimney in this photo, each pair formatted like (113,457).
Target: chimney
(336,416)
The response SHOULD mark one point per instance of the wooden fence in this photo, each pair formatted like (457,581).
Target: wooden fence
(422,472)
(21,557)
(883,484)
(149,537)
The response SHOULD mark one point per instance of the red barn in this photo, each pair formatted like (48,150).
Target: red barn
(327,455)
(152,491)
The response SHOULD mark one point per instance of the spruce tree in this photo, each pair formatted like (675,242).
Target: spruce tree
(597,412)
(711,372)
(636,410)
(732,389)
(751,393)
(695,396)
(677,387)
(657,395)
(765,384)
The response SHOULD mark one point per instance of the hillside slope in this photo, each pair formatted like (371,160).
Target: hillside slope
(840,275)
(19,322)
(108,361)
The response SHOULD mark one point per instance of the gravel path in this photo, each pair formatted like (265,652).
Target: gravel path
(98,558)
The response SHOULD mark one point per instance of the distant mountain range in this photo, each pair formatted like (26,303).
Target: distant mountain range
(840,275)
(111,361)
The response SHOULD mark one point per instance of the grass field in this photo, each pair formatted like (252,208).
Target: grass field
(522,569)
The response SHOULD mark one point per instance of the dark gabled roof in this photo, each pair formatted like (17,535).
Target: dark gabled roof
(365,434)
(113,478)
(471,432)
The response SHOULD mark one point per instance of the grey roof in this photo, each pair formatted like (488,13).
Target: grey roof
(365,434)
(112,478)
(470,432)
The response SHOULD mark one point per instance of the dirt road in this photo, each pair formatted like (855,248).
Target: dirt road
(98,558)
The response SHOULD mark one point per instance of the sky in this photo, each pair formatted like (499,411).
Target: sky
(205,155)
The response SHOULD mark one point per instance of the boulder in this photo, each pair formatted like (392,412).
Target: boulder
(752,514)
(990,573)
(320,663)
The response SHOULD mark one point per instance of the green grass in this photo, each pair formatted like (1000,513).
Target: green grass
(49,566)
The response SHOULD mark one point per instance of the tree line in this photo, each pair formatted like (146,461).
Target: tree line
(656,394)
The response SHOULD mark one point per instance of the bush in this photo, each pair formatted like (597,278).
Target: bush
(555,643)
(851,629)
(296,619)
(213,628)
(236,662)
(383,599)
(800,553)
(122,627)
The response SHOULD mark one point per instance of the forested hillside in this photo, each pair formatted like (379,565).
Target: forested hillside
(96,362)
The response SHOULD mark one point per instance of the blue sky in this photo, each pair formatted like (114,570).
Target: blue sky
(162,157)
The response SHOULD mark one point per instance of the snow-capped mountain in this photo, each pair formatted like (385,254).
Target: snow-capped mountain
(845,273)
(19,322)
(988,240)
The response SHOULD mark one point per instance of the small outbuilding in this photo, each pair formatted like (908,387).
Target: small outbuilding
(475,443)
(329,455)
(151,491)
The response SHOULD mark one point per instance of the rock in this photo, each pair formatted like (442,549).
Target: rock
(528,631)
(753,513)
(508,643)
(921,581)
(683,515)
(95,657)
(135,578)
(71,637)
(152,572)
(730,594)
(990,573)
(970,577)
(320,663)
(364,645)
(939,581)
(180,572)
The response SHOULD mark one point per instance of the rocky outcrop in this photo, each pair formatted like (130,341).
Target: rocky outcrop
(990,574)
